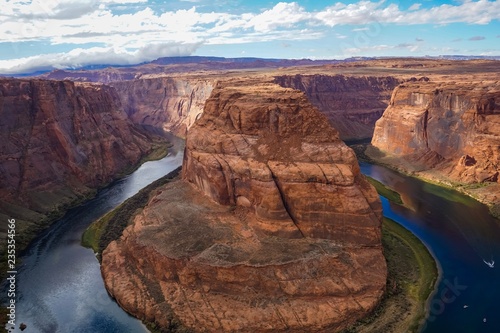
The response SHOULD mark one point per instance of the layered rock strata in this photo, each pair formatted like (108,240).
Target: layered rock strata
(448,131)
(272,228)
(352,103)
(165,103)
(59,141)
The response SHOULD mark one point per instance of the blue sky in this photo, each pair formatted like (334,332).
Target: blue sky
(48,34)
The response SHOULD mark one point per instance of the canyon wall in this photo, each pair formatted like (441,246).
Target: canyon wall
(59,141)
(352,104)
(446,131)
(272,228)
(165,103)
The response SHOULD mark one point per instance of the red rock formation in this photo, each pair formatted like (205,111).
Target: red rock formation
(167,103)
(352,104)
(59,141)
(294,150)
(444,130)
(286,238)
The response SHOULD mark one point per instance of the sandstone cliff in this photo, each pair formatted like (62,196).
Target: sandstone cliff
(352,104)
(285,238)
(166,103)
(59,141)
(446,131)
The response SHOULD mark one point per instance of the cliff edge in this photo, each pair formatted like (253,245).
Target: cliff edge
(59,142)
(272,227)
(445,131)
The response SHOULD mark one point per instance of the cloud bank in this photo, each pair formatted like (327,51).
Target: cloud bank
(80,57)
(130,31)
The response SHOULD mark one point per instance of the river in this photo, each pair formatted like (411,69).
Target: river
(59,284)
(60,288)
(461,234)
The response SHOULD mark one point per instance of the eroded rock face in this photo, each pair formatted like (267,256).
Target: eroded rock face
(166,103)
(352,104)
(272,228)
(269,149)
(450,128)
(59,141)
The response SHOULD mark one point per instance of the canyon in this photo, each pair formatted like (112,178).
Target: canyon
(169,93)
(272,227)
(352,104)
(445,131)
(172,103)
(59,142)
(167,103)
(113,105)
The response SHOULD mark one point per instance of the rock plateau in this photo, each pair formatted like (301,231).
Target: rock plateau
(272,227)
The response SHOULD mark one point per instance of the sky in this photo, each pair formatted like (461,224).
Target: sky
(50,34)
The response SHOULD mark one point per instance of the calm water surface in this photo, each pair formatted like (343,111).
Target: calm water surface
(461,234)
(60,288)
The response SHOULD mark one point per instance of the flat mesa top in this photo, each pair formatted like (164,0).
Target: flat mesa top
(182,223)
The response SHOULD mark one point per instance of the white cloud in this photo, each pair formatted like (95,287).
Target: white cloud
(415,6)
(81,22)
(93,56)
(281,15)
(361,29)
(473,12)
(57,9)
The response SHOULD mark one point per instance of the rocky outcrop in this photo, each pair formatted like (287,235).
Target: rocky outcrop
(272,228)
(444,131)
(352,104)
(165,103)
(59,141)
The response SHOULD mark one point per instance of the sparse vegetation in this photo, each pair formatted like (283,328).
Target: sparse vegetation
(435,184)
(385,191)
(495,210)
(110,226)
(412,274)
(412,270)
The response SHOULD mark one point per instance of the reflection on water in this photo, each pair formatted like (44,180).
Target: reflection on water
(60,288)
(460,233)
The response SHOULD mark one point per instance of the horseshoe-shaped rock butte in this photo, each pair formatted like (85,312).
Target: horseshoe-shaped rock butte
(271,228)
